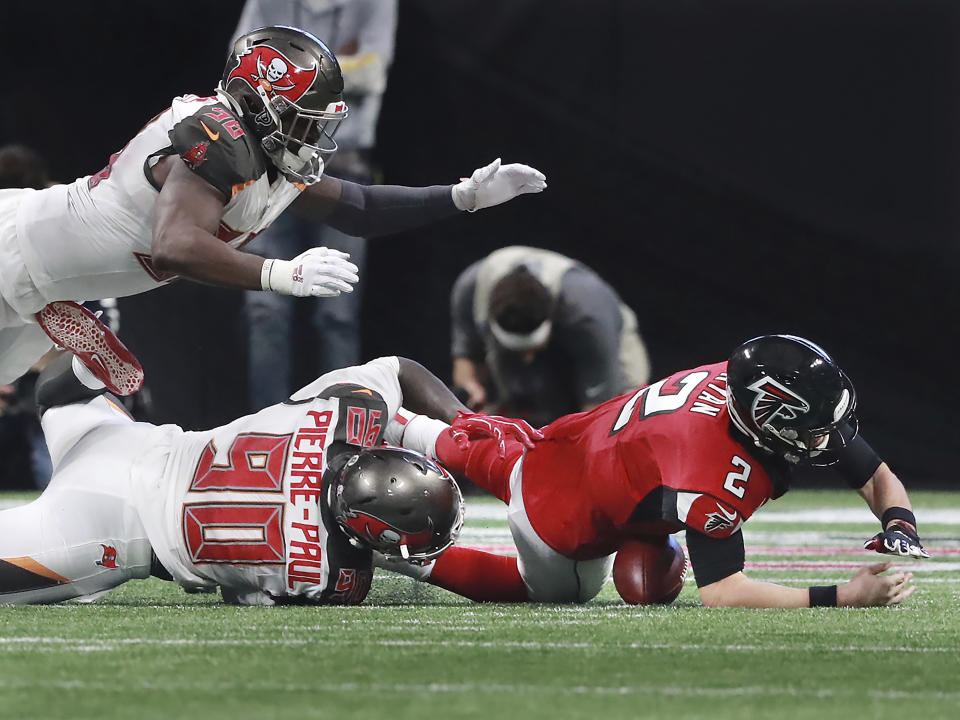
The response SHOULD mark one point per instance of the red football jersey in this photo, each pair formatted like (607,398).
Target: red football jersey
(656,460)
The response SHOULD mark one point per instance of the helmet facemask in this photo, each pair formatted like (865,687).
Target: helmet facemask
(301,141)
(813,447)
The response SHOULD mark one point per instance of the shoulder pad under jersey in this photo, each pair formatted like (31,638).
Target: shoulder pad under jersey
(217,147)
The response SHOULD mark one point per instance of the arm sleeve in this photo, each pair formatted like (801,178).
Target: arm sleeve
(858,462)
(465,340)
(713,559)
(372,210)
(591,321)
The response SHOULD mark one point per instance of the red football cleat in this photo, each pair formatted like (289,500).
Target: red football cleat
(74,328)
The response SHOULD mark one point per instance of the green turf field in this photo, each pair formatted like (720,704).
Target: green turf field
(148,650)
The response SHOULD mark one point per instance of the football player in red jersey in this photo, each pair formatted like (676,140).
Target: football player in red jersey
(198,182)
(701,450)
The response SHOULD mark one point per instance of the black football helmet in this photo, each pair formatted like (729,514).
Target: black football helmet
(791,398)
(397,502)
(289,86)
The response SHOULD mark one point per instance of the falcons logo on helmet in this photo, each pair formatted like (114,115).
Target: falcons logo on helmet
(773,400)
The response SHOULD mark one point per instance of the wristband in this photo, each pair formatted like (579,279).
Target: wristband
(823,596)
(897,513)
(421,434)
(283,283)
(265,274)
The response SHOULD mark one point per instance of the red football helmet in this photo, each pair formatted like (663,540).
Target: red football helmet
(288,85)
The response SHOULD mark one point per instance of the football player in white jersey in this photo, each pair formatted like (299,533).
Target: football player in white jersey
(190,189)
(283,506)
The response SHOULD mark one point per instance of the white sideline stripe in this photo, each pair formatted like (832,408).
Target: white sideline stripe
(95,644)
(489,689)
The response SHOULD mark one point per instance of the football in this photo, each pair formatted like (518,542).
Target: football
(650,571)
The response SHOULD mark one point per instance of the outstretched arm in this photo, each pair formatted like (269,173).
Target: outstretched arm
(887,498)
(184,237)
(374,210)
(718,566)
(868,588)
(188,216)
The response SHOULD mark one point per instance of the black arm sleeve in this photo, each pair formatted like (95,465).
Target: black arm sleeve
(713,559)
(858,462)
(372,210)
(58,385)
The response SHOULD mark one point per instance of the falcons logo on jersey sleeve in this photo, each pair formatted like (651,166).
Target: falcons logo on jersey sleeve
(706,514)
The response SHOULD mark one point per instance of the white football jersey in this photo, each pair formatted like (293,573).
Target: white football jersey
(91,239)
(243,505)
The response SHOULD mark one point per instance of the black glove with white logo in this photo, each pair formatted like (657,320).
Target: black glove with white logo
(898,539)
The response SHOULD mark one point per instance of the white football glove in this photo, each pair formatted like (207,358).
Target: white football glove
(318,272)
(495,184)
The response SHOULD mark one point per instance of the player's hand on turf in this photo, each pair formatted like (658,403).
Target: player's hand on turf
(897,539)
(495,184)
(870,588)
(318,272)
(469,426)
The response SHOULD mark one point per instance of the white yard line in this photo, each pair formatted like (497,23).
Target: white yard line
(99,644)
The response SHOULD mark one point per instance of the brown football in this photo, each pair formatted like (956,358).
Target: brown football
(650,571)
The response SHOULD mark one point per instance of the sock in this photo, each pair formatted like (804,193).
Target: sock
(480,576)
(85,375)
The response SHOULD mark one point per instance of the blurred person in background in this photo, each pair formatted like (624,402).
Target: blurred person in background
(537,335)
(198,182)
(361,34)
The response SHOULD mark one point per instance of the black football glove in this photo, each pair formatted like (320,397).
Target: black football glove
(897,539)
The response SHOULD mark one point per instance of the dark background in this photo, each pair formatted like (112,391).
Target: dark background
(733,168)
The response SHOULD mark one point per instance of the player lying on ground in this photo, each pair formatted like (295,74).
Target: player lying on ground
(700,450)
(192,187)
(282,506)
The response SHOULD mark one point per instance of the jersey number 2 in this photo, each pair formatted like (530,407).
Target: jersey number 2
(658,400)
(734,477)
